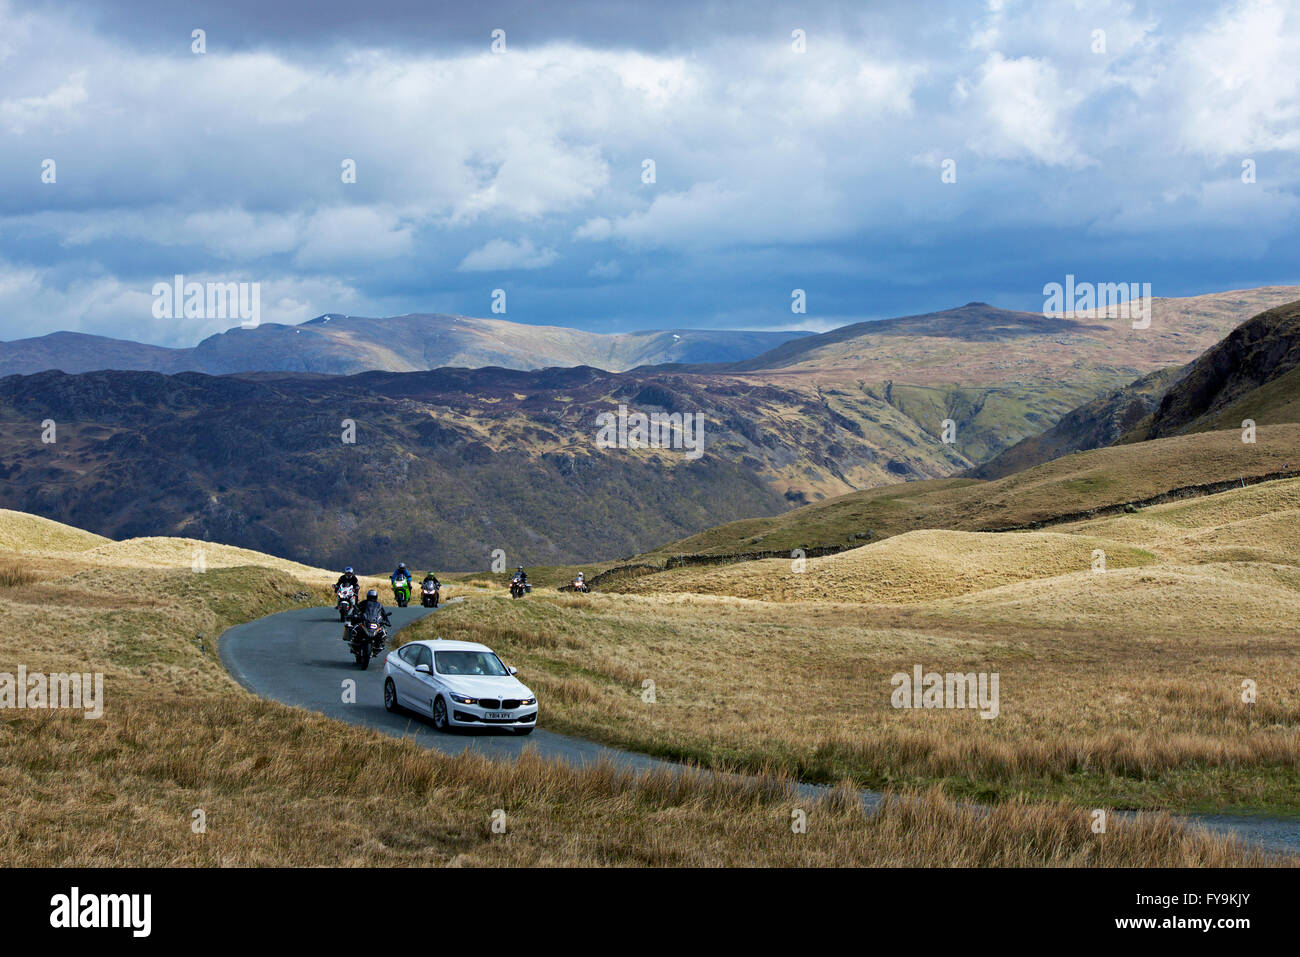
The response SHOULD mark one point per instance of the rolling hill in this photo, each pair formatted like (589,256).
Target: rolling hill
(1068,488)
(1234,548)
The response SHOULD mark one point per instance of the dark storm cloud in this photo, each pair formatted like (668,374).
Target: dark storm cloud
(441,25)
(778,164)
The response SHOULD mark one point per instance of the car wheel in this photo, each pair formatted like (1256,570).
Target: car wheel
(390,695)
(440,715)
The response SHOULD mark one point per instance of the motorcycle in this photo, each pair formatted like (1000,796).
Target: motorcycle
(519,587)
(430,594)
(402,592)
(366,637)
(580,585)
(347,601)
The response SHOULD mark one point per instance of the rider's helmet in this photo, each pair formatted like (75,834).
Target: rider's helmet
(348,570)
(372,594)
(401,566)
(521,568)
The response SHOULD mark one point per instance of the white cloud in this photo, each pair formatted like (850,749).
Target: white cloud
(1024,109)
(1240,83)
(35,302)
(53,109)
(501,254)
(348,235)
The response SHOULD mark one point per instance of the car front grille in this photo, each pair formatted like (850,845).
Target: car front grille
(491,704)
(509,704)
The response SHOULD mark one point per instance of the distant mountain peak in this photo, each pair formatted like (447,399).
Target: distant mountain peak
(337,344)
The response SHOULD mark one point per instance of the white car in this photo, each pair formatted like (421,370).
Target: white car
(458,684)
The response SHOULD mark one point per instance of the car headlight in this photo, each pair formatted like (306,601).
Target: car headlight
(461,699)
(528,701)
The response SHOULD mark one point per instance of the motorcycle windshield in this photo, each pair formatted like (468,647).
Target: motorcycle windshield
(372,616)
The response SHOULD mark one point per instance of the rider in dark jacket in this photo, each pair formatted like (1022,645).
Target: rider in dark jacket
(431,577)
(521,575)
(348,578)
(370,603)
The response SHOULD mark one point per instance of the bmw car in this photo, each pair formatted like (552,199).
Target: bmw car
(459,684)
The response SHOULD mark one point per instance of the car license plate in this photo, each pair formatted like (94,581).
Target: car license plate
(500,715)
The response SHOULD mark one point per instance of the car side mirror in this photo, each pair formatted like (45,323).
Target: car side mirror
(423,669)
(513,671)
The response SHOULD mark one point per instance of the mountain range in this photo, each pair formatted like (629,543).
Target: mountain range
(342,345)
(445,466)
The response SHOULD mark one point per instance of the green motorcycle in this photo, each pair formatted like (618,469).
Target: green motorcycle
(402,592)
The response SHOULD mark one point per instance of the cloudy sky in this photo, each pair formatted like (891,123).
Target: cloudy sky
(1115,156)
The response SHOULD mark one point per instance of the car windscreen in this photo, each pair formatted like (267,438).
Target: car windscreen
(469,663)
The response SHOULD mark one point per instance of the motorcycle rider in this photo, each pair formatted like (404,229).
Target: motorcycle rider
(521,576)
(580,583)
(431,577)
(348,578)
(370,603)
(401,572)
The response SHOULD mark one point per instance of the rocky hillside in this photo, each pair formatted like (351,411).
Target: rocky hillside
(1254,373)
(1091,426)
(446,466)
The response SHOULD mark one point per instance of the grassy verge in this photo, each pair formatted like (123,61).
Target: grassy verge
(282,787)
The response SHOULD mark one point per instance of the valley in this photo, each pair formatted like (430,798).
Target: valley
(448,466)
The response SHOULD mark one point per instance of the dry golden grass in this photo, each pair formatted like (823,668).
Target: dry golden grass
(283,787)
(21,532)
(182,553)
(1257,523)
(913,567)
(1098,715)
(17,575)
(1121,687)
(280,786)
